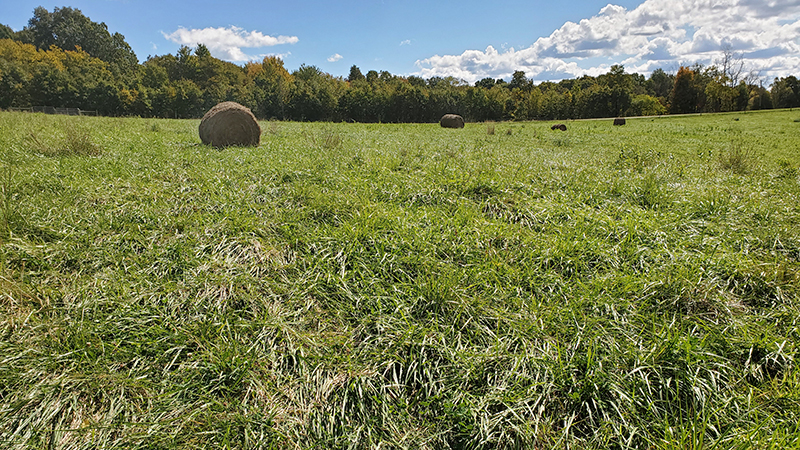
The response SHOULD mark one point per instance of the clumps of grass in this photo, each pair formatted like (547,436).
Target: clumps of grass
(786,169)
(274,128)
(651,193)
(37,145)
(79,142)
(154,127)
(560,141)
(326,139)
(76,142)
(715,204)
(510,299)
(635,159)
(737,159)
(490,129)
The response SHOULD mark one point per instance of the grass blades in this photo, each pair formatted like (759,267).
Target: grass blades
(400,286)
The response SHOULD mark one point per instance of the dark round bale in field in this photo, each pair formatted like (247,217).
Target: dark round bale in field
(619,121)
(229,124)
(452,121)
(559,126)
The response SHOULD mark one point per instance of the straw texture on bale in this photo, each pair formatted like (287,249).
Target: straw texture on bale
(229,124)
(452,121)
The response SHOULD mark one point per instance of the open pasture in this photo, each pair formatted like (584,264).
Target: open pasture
(408,286)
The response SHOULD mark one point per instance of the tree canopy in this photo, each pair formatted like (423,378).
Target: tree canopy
(63,59)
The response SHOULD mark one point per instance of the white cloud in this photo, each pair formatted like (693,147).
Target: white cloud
(227,43)
(406,42)
(658,33)
(334,58)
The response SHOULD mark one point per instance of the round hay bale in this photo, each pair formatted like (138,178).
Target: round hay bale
(619,121)
(229,124)
(452,121)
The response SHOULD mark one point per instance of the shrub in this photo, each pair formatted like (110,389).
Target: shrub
(645,105)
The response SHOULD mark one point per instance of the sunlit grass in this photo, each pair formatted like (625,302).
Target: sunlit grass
(401,286)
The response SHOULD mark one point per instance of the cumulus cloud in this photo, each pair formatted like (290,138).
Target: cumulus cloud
(406,42)
(227,43)
(334,58)
(658,33)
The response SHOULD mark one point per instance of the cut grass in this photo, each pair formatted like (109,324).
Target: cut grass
(402,286)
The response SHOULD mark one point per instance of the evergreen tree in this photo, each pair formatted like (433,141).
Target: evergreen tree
(355,74)
(519,81)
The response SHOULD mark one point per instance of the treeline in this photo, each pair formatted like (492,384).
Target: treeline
(63,59)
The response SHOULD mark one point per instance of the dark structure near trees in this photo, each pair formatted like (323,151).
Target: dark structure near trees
(559,126)
(452,121)
(619,121)
(229,124)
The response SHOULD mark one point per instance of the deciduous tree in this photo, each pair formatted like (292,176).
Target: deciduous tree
(683,98)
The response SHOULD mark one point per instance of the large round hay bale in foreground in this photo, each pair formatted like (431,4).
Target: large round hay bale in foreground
(230,124)
(452,121)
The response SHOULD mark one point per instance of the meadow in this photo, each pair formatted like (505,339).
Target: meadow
(401,286)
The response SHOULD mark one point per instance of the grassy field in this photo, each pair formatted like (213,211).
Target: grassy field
(401,286)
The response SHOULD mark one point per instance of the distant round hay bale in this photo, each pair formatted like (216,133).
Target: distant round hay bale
(229,124)
(559,126)
(619,121)
(452,121)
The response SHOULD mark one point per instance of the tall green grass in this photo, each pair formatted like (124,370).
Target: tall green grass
(400,286)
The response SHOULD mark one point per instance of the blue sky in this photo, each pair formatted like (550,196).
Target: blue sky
(467,39)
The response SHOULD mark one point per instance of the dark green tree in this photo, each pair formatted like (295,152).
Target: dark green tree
(314,95)
(14,81)
(659,85)
(355,74)
(372,76)
(417,81)
(620,88)
(49,86)
(202,51)
(406,102)
(435,81)
(154,75)
(6,32)
(786,92)
(485,83)
(69,29)
(187,66)
(596,101)
(519,81)
(385,76)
